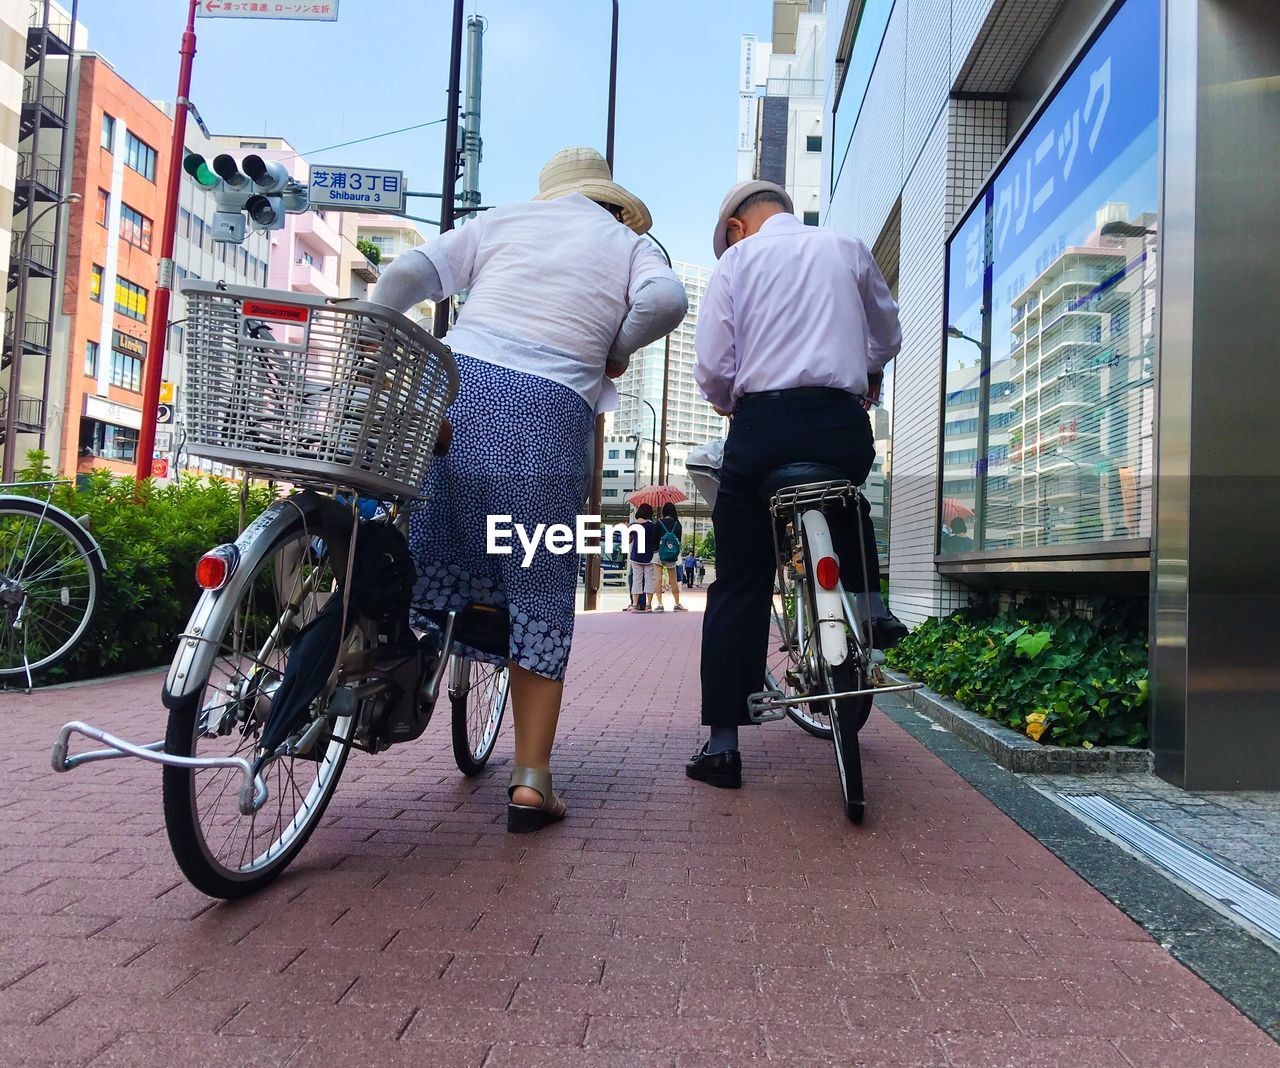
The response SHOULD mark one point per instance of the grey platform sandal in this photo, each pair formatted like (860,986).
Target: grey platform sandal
(522,819)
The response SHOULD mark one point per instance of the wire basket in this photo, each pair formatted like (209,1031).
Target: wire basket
(313,391)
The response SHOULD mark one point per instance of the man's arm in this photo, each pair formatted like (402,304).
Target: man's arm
(715,365)
(884,333)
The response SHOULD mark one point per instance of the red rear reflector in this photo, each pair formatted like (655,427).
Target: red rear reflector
(828,571)
(215,567)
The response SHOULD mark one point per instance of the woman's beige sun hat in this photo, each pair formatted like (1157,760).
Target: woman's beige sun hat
(584,170)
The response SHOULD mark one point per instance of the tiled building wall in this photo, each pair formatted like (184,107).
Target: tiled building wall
(918,150)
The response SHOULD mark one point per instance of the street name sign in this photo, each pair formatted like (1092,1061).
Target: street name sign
(337,187)
(312,10)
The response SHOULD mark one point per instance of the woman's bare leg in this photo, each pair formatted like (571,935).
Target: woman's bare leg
(535,706)
(675,584)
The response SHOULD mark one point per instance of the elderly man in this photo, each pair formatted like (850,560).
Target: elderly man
(793,334)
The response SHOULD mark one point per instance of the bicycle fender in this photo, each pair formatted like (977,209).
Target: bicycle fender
(195,655)
(66,517)
(829,604)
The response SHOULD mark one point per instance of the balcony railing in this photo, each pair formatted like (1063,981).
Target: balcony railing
(40,251)
(35,333)
(41,169)
(59,24)
(30,413)
(52,99)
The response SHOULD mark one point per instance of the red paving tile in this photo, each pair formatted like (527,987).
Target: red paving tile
(663,923)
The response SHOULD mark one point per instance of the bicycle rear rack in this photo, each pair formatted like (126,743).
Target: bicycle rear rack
(253,790)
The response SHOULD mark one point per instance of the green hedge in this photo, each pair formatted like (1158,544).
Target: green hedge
(152,536)
(1061,681)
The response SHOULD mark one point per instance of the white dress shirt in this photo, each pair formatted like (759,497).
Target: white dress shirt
(789,306)
(558,289)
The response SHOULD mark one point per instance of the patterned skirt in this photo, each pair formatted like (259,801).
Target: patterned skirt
(519,450)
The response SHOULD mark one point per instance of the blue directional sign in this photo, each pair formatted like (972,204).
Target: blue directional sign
(338,187)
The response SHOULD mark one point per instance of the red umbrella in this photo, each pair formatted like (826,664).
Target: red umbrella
(954,509)
(657,496)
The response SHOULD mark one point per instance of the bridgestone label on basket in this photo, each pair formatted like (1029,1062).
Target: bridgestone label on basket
(285,313)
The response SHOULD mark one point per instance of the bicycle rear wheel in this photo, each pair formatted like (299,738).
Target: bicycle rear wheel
(50,578)
(784,670)
(223,852)
(847,715)
(478,696)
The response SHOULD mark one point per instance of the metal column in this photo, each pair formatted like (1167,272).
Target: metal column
(1215,592)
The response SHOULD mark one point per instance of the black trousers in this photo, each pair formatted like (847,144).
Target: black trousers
(769,430)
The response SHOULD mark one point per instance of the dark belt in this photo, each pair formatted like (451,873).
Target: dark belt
(801,393)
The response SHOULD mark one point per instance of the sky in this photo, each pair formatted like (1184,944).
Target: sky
(384,65)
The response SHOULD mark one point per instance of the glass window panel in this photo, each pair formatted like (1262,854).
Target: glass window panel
(1051,280)
(873,21)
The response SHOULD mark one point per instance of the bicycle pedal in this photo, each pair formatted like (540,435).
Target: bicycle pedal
(758,714)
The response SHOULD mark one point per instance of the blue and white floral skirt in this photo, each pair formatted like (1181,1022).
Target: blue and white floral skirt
(519,449)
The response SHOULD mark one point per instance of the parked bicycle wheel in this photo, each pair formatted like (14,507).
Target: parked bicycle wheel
(223,852)
(478,694)
(50,581)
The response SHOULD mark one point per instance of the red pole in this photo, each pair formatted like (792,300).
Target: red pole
(160,305)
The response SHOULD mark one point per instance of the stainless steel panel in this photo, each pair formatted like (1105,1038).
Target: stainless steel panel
(1215,580)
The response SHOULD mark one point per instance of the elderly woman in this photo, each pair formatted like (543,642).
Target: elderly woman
(561,291)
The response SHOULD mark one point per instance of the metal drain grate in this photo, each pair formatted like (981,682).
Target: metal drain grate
(1200,871)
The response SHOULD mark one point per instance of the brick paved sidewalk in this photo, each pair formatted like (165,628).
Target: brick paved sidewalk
(663,924)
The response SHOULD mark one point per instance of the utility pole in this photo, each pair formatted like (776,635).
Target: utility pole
(449,182)
(591,592)
(164,284)
(471,142)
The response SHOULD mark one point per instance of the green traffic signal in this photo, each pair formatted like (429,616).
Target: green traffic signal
(194,165)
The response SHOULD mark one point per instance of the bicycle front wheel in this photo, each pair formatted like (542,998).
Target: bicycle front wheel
(478,696)
(223,852)
(50,580)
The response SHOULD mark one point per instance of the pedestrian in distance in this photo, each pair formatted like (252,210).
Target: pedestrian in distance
(643,547)
(670,534)
(690,569)
(562,290)
(795,328)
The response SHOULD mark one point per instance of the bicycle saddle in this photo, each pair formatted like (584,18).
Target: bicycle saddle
(798,475)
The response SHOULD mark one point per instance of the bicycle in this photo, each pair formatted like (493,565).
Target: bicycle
(821,673)
(51,572)
(300,648)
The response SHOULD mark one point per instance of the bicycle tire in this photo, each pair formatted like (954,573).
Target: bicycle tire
(783,658)
(247,694)
(478,697)
(848,715)
(14,581)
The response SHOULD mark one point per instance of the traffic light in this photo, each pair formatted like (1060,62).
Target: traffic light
(263,190)
(266,205)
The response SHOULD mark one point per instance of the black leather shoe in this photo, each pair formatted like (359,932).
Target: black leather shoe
(716,769)
(887,631)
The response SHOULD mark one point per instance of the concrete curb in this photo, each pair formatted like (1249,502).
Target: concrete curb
(1017,752)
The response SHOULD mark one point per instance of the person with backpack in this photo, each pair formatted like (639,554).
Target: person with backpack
(643,550)
(670,536)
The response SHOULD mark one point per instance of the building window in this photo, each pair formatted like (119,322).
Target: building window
(1050,322)
(854,75)
(135,227)
(140,156)
(631,454)
(95,284)
(607,473)
(608,493)
(253,144)
(108,131)
(197,231)
(813,143)
(126,371)
(811,218)
(131,300)
(614,454)
(91,359)
(305,257)
(111,442)
(103,208)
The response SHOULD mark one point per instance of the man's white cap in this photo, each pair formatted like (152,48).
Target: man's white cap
(735,196)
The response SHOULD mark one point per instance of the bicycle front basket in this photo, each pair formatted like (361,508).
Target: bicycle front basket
(313,391)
